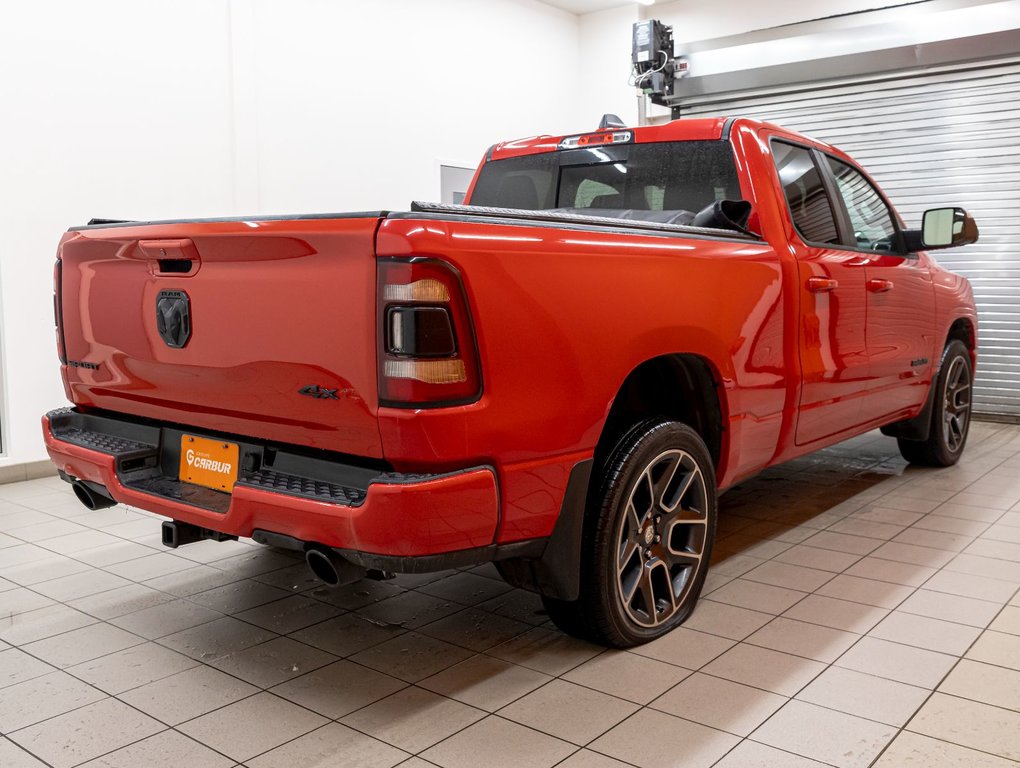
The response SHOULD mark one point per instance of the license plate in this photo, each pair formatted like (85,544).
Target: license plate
(212,463)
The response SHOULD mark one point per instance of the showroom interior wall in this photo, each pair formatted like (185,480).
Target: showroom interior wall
(121,108)
(604,89)
(601,77)
(834,32)
(697,20)
(123,111)
(357,102)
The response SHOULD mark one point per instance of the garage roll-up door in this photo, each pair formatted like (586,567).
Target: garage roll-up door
(935,138)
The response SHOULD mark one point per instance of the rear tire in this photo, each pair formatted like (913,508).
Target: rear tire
(950,413)
(647,539)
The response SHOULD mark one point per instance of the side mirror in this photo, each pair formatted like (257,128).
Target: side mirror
(947,228)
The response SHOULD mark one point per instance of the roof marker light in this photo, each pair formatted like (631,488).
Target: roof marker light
(596,139)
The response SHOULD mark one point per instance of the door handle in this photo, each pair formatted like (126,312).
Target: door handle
(178,257)
(878,285)
(821,284)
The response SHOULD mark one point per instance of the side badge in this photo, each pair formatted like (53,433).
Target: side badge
(319,393)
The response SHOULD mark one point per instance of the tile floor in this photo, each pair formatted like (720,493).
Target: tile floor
(859,612)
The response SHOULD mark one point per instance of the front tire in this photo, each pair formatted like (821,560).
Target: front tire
(648,539)
(950,413)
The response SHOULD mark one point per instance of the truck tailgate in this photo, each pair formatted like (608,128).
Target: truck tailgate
(263,328)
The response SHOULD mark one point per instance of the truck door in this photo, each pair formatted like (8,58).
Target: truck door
(900,333)
(832,315)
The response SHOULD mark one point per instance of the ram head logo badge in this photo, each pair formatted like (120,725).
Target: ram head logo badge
(173,318)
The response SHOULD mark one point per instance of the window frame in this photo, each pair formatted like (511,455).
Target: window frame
(844,225)
(826,186)
(843,212)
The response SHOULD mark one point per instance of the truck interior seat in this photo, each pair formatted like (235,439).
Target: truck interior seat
(608,200)
(519,192)
(688,197)
(636,198)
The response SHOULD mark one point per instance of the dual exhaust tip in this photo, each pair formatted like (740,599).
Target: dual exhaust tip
(329,567)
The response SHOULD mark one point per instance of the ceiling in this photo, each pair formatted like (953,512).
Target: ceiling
(587,6)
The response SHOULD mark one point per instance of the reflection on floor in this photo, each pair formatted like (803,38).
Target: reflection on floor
(858,612)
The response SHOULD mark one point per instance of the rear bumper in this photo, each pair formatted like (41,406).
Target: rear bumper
(382,516)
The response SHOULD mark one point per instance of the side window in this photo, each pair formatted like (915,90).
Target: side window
(872,222)
(810,207)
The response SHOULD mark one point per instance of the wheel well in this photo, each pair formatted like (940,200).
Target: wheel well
(917,428)
(964,331)
(678,387)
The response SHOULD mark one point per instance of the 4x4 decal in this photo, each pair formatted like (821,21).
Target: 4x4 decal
(319,393)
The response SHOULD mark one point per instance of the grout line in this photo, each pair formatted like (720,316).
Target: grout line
(831,664)
(778,749)
(934,690)
(27,751)
(958,657)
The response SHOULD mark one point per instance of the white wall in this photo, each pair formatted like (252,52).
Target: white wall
(357,100)
(605,63)
(160,109)
(113,109)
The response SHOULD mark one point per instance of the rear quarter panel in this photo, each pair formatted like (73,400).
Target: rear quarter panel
(562,316)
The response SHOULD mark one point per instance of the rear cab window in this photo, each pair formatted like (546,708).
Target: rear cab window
(667,182)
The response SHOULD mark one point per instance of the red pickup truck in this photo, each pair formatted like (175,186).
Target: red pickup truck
(559,377)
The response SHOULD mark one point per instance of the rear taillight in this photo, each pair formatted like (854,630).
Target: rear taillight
(427,351)
(58,322)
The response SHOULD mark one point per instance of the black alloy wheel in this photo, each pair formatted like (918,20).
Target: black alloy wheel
(950,413)
(648,538)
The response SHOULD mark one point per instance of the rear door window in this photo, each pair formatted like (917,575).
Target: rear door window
(870,217)
(810,207)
